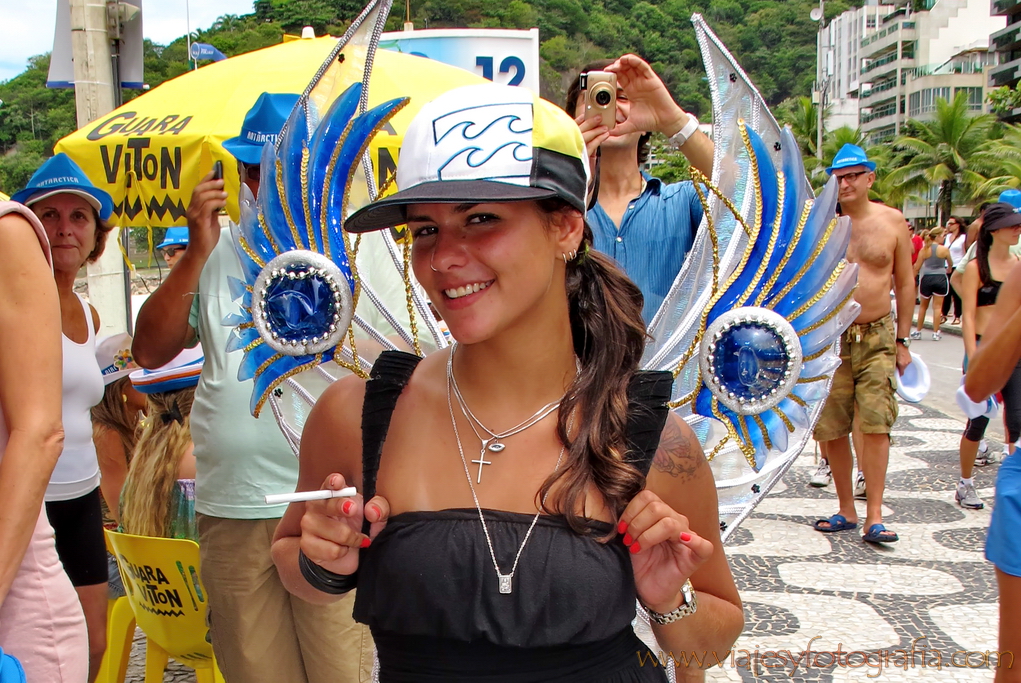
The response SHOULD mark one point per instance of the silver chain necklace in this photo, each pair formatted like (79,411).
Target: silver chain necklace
(505,580)
(493,443)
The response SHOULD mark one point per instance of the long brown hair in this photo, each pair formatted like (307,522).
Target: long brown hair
(609,337)
(114,414)
(166,435)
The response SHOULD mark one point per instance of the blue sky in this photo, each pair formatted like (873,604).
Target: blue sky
(26,28)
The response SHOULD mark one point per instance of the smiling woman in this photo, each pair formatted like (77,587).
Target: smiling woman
(523,563)
(73,213)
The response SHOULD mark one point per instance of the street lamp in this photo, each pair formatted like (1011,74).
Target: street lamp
(821,84)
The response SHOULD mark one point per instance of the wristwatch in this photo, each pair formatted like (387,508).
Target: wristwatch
(906,341)
(687,607)
(680,137)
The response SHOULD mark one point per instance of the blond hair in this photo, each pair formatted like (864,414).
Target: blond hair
(149,487)
(113,413)
(933,235)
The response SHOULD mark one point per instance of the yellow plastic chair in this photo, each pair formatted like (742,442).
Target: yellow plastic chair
(161,577)
(120,635)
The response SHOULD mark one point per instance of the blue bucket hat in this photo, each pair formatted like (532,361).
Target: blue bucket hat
(174,237)
(1012,197)
(262,124)
(848,156)
(61,175)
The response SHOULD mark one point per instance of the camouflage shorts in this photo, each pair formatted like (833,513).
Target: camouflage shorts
(866,377)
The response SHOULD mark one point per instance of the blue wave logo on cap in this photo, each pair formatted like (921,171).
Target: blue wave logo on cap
(487,142)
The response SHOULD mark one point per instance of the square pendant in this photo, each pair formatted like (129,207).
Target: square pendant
(505,583)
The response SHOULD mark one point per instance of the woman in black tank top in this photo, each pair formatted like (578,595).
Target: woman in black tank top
(982,278)
(522,488)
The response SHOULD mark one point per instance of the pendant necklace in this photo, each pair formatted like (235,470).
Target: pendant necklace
(494,443)
(505,580)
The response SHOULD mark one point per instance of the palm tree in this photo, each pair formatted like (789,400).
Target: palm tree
(802,115)
(1000,161)
(942,152)
(885,189)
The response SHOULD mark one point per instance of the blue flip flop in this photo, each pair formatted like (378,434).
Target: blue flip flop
(878,533)
(836,523)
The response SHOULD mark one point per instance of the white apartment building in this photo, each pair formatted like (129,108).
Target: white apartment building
(839,67)
(912,59)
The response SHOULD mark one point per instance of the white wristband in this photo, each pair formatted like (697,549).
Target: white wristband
(684,134)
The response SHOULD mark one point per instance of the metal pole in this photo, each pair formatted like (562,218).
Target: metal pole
(187,25)
(95,95)
(820,82)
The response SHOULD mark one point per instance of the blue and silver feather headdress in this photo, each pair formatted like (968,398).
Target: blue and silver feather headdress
(751,324)
(302,287)
(750,327)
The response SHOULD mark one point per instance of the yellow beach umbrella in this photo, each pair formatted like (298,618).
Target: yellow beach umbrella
(150,153)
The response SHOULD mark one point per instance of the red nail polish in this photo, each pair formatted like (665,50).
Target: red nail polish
(366,542)
(635,549)
(346,507)
(621,526)
(628,540)
(685,537)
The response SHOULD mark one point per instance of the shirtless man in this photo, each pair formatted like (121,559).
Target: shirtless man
(870,350)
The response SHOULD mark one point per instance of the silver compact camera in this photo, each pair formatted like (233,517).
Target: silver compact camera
(600,97)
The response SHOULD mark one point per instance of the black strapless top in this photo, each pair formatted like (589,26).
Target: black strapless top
(987,294)
(429,592)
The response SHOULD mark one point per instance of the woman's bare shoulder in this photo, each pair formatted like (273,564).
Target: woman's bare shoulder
(679,453)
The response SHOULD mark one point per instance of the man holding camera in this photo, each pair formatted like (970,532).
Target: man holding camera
(646,225)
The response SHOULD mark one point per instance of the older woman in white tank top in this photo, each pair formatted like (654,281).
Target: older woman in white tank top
(73,213)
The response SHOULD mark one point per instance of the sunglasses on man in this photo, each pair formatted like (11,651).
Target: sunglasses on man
(171,252)
(251,172)
(850,177)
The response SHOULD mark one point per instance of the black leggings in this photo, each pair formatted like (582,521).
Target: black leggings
(1011,392)
(78,532)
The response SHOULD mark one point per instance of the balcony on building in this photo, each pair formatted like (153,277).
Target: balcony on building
(1006,73)
(888,36)
(880,65)
(1004,7)
(1006,39)
(874,92)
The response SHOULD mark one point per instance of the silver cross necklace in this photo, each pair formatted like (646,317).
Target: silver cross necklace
(505,580)
(494,444)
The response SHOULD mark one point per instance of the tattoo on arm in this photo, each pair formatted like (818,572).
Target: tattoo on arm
(675,455)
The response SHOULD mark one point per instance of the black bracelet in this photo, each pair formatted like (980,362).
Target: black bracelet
(325,580)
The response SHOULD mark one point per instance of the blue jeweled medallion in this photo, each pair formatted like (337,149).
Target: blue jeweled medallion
(750,359)
(301,303)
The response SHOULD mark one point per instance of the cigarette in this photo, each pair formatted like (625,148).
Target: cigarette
(302,496)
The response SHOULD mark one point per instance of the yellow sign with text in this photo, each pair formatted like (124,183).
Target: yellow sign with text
(150,153)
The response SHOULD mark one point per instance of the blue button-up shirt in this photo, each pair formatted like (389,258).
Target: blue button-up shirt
(655,235)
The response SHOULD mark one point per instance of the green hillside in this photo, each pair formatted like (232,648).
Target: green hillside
(773,39)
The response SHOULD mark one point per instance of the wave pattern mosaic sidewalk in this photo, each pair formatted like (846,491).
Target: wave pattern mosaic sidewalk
(932,591)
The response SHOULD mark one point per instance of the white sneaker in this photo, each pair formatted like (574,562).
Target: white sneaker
(967,498)
(859,485)
(936,336)
(822,476)
(915,334)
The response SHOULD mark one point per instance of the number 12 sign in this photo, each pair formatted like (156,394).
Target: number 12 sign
(499,55)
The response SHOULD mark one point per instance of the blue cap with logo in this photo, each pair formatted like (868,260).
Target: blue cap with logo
(174,237)
(60,175)
(262,124)
(1012,197)
(851,155)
